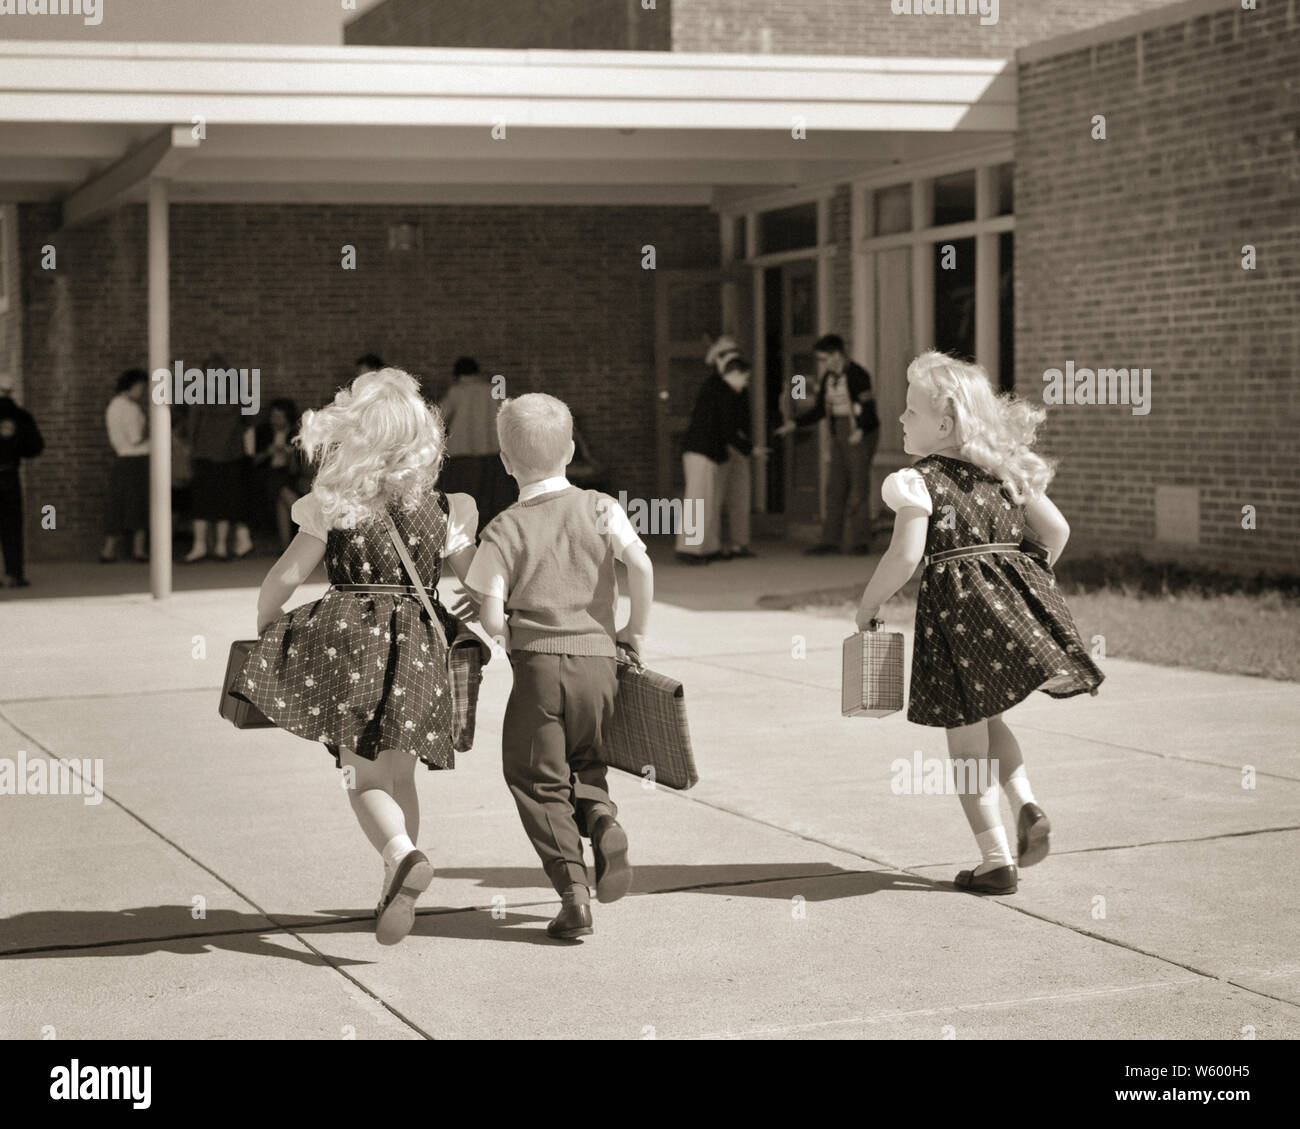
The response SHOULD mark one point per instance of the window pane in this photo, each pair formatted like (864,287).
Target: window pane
(954,298)
(803,317)
(1007,311)
(954,198)
(1004,179)
(893,209)
(788,229)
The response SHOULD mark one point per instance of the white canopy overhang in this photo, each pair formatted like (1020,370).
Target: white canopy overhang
(416,125)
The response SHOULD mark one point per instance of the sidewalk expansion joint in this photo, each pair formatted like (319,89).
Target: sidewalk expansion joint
(235,890)
(1153,752)
(915,872)
(981,1005)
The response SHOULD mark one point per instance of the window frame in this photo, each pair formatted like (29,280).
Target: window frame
(985,229)
(4,260)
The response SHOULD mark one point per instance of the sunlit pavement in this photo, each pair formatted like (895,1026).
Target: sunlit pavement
(222,888)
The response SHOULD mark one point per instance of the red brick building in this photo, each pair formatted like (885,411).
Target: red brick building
(798,167)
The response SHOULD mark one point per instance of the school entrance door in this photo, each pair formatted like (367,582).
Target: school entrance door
(794,468)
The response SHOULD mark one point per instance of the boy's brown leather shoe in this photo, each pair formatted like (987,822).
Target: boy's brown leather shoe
(571,922)
(609,845)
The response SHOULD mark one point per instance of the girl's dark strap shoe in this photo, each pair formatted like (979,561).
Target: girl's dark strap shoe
(999,881)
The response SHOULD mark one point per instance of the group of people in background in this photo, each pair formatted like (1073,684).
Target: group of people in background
(211,471)
(717,449)
(230,475)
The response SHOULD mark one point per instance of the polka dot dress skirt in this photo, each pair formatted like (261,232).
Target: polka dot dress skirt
(361,670)
(992,628)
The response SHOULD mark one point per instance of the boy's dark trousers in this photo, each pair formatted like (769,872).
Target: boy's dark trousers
(551,743)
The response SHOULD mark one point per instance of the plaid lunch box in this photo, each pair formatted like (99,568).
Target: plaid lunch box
(872,682)
(649,728)
(235,708)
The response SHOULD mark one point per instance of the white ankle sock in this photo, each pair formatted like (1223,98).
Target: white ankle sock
(395,850)
(1018,790)
(994,848)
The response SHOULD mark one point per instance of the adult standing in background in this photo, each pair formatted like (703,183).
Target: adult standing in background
(219,493)
(473,464)
(735,476)
(844,397)
(128,481)
(20,438)
(715,462)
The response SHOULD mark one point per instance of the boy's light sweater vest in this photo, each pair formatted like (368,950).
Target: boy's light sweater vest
(560,570)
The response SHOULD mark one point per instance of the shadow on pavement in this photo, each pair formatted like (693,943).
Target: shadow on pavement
(165,929)
(171,929)
(816,882)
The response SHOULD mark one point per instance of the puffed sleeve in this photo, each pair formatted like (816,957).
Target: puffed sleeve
(462,523)
(906,487)
(307,515)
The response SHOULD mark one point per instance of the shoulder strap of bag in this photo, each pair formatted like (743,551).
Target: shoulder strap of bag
(414,575)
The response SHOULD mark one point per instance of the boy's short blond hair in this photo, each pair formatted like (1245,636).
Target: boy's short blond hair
(535,431)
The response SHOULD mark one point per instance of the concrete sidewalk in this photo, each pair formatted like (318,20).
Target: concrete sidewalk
(222,889)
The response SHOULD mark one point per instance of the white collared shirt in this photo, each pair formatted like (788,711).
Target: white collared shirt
(543,486)
(125,421)
(837,394)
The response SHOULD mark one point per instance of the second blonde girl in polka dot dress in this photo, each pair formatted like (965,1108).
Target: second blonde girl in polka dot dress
(991,626)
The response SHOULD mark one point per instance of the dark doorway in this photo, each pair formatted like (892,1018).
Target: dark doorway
(790,331)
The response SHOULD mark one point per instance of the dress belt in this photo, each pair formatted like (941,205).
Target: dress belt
(386,589)
(971,551)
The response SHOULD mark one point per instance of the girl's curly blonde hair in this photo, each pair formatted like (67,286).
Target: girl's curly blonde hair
(378,442)
(995,432)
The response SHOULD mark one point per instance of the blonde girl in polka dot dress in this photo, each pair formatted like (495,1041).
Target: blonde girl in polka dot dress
(363,670)
(991,626)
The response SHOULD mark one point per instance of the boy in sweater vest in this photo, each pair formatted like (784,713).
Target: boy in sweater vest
(544,576)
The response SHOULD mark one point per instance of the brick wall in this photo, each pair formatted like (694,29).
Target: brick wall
(553,297)
(870,27)
(83,322)
(608,25)
(1128,252)
(783,27)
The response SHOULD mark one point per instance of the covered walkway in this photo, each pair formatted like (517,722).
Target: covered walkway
(97,126)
